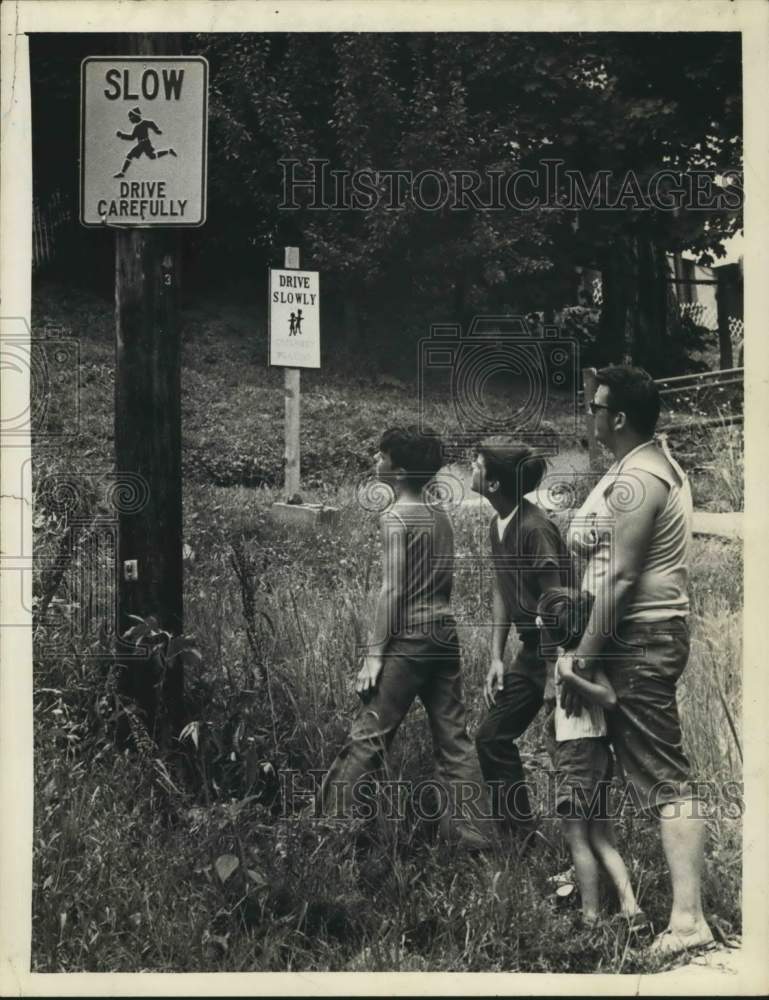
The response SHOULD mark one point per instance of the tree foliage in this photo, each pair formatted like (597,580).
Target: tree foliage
(629,104)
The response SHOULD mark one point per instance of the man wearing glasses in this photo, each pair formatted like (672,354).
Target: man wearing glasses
(634,532)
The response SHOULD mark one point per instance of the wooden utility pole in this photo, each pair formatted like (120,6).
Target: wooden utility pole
(293,404)
(148,409)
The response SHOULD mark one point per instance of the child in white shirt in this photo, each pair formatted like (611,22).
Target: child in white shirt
(582,756)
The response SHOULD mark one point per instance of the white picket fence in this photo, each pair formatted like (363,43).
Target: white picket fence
(698,312)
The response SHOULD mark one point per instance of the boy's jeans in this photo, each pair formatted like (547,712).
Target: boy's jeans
(511,715)
(428,668)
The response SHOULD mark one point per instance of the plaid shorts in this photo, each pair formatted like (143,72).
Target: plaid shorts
(583,772)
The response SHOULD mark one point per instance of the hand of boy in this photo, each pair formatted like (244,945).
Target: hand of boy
(494,681)
(368,676)
(565,668)
(570,700)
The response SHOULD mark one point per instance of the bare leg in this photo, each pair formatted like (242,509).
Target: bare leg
(603,842)
(585,865)
(683,840)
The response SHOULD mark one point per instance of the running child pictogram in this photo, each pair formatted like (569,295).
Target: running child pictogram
(141,135)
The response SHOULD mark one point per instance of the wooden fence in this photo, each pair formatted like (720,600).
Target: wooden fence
(48,219)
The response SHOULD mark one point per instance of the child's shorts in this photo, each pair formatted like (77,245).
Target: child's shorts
(583,773)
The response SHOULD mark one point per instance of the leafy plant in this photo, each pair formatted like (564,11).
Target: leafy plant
(128,836)
(582,324)
(150,674)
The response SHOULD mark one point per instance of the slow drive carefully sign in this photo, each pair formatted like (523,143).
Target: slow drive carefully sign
(143,126)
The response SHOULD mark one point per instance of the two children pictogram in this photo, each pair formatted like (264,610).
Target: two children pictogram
(295,323)
(141,135)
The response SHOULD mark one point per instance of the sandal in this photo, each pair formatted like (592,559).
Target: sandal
(670,943)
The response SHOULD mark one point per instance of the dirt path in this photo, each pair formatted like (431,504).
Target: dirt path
(727,525)
(722,972)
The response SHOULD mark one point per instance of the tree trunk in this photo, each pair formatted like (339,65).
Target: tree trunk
(728,305)
(638,315)
(613,342)
(656,311)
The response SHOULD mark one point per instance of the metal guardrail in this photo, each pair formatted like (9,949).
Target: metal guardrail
(680,384)
(693,381)
(727,420)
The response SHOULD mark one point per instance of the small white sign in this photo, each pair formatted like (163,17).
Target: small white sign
(143,124)
(294,311)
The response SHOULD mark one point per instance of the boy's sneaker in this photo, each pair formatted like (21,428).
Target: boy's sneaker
(566,877)
(564,889)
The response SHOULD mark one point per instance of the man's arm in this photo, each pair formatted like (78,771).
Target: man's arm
(153,126)
(633,529)
(595,689)
(123,135)
(387,616)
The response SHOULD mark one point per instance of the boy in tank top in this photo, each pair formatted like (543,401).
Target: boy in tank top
(413,649)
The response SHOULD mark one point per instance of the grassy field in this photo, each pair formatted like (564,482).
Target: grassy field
(177,857)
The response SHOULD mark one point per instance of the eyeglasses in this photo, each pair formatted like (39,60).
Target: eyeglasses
(594,407)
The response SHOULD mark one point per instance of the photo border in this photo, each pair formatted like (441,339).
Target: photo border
(16,765)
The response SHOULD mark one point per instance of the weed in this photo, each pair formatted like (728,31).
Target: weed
(193,855)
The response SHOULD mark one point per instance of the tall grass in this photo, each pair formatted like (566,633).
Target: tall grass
(128,842)
(189,858)
(718,473)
